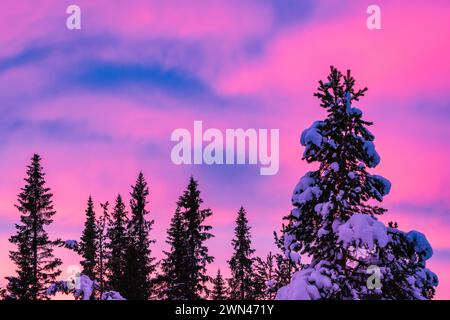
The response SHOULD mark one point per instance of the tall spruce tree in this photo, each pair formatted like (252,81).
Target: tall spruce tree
(101,267)
(193,278)
(219,291)
(173,280)
(139,265)
(117,245)
(37,267)
(87,247)
(241,263)
(354,255)
(196,234)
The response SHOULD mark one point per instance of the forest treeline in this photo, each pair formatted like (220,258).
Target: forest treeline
(116,246)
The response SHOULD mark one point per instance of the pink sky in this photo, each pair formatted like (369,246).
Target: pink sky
(99,104)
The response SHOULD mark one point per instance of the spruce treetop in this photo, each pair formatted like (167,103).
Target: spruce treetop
(219,287)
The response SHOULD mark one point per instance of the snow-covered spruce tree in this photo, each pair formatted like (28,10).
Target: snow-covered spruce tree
(173,279)
(36,265)
(117,244)
(87,246)
(101,244)
(139,264)
(196,233)
(219,291)
(241,262)
(334,220)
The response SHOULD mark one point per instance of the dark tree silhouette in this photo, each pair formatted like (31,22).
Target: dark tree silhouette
(174,268)
(102,250)
(196,234)
(139,264)
(219,291)
(87,247)
(36,265)
(117,245)
(241,263)
(184,268)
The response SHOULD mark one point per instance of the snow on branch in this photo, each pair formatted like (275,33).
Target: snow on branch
(307,284)
(420,244)
(82,287)
(379,186)
(290,248)
(370,155)
(362,229)
(68,244)
(312,135)
(306,190)
(112,295)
